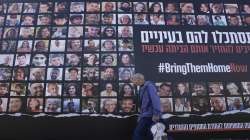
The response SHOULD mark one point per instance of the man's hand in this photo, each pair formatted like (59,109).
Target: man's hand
(156,118)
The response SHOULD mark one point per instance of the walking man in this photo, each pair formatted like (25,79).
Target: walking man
(149,103)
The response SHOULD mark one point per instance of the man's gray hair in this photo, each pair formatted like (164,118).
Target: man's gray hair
(138,76)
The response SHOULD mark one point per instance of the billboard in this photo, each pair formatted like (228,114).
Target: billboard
(59,57)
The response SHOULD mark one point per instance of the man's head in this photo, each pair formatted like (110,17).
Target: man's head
(138,79)
(127,105)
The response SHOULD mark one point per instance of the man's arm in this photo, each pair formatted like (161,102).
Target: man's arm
(155,102)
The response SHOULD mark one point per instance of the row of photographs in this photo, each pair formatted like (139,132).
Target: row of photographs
(69,45)
(124,105)
(63,32)
(112,89)
(124,19)
(71,59)
(152,7)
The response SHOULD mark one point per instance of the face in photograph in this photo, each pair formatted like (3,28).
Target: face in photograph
(53,105)
(109,105)
(39,60)
(15,105)
(127,105)
(36,89)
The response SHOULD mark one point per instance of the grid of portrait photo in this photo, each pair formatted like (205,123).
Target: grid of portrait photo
(78,56)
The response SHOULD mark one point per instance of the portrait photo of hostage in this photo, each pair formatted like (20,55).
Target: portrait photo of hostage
(73,74)
(41,46)
(203,8)
(89,89)
(109,32)
(73,59)
(18,89)
(108,45)
(215,89)
(56,60)
(182,105)
(108,105)
(12,20)
(218,104)
(217,8)
(6,60)
(91,59)
(125,73)
(108,74)
(247,102)
(246,87)
(124,6)
(36,89)
(164,89)
(53,105)
(203,20)
(3,104)
(24,46)
(76,19)
(125,45)
(200,104)
(5,73)
(219,20)
(108,7)
(57,45)
(91,45)
(108,18)
(246,20)
(140,7)
(16,105)
(43,32)
(37,74)
(181,89)
(108,90)
(39,60)
(4,89)
(61,7)
(231,8)
(30,7)
(22,60)
(233,88)
(71,89)
(141,19)
(127,105)
(199,89)
(126,59)
(125,19)
(92,32)
(93,7)
(126,90)
(166,105)
(234,20)
(71,105)
(20,74)
(44,19)
(92,19)
(89,105)
(53,89)
(45,7)
(54,73)
(90,74)
(235,103)
(7,45)
(187,8)
(74,45)
(125,31)
(77,7)
(157,19)
(35,104)
(75,32)
(59,32)
(10,33)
